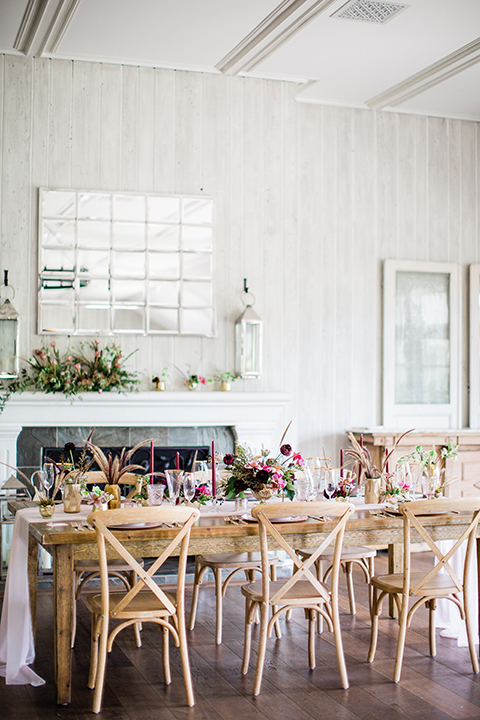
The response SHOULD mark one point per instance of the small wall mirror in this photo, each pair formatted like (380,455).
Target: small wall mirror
(121,262)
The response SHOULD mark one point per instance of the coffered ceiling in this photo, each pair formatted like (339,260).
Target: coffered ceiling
(419,56)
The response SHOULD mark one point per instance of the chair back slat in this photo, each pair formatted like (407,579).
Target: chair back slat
(416,516)
(105,521)
(340,512)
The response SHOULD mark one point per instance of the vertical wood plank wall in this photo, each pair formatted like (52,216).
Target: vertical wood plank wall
(310,200)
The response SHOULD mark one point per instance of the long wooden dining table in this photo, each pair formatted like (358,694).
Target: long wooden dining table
(209,535)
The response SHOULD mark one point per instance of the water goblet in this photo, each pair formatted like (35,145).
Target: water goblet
(189,487)
(174,483)
(48,477)
(429,485)
(331,481)
(155,493)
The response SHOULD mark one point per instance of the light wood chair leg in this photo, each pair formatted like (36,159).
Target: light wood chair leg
(187,676)
(470,631)
(319,571)
(431,628)
(262,646)
(138,638)
(371,572)
(196,588)
(402,632)
(351,592)
(247,643)
(74,603)
(273,577)
(312,621)
(374,613)
(102,662)
(218,598)
(337,634)
(93,653)
(167,676)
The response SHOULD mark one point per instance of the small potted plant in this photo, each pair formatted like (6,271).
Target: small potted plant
(191,380)
(160,380)
(225,379)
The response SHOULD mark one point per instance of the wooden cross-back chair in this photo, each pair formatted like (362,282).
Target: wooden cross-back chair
(132,606)
(86,570)
(303,589)
(428,587)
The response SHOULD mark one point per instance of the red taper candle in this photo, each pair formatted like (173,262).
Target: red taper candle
(177,461)
(152,462)
(341,462)
(214,472)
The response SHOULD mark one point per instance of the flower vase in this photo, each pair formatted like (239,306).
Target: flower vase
(225,386)
(71,497)
(263,495)
(192,385)
(116,502)
(372,490)
(46,511)
(161,385)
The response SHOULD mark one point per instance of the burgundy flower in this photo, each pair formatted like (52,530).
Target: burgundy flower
(263,476)
(69,447)
(286,449)
(228,459)
(239,486)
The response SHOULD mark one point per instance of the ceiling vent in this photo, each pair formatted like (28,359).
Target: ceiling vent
(369,11)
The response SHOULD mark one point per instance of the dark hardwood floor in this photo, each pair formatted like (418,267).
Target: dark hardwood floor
(443,688)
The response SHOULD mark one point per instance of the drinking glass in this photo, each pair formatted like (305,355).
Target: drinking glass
(429,485)
(174,483)
(48,477)
(303,485)
(331,481)
(155,494)
(189,487)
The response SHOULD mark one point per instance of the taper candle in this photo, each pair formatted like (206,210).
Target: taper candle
(214,472)
(152,462)
(177,461)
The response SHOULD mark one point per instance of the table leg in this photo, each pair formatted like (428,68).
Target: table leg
(478,580)
(33,579)
(395,565)
(62,594)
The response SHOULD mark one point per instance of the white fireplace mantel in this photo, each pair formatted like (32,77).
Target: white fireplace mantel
(258,418)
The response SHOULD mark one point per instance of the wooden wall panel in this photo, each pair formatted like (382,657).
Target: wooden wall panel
(310,200)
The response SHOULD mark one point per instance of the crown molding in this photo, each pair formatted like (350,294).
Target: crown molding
(275,30)
(43,25)
(438,72)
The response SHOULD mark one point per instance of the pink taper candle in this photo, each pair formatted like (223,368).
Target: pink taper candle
(152,462)
(214,472)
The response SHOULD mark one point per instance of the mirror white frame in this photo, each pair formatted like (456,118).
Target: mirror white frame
(422,414)
(125,263)
(474,344)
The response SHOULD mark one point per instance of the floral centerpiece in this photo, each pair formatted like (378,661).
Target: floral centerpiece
(430,462)
(114,467)
(92,369)
(262,474)
(191,380)
(201,497)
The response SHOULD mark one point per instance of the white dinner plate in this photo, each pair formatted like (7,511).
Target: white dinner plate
(288,519)
(137,526)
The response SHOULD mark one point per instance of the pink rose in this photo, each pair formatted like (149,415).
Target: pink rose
(97,354)
(77,366)
(69,358)
(53,344)
(54,362)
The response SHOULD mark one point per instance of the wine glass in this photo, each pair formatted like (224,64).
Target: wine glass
(331,481)
(48,476)
(174,483)
(189,487)
(429,485)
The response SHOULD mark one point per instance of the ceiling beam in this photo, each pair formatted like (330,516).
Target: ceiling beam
(438,72)
(275,30)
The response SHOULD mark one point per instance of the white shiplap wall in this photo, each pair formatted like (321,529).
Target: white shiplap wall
(309,201)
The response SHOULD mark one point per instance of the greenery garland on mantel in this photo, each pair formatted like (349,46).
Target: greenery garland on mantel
(91,369)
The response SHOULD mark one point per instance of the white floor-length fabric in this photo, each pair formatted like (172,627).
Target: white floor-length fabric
(17,648)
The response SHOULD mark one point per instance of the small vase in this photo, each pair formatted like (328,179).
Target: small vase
(192,385)
(225,386)
(372,490)
(46,511)
(262,495)
(161,385)
(71,498)
(116,502)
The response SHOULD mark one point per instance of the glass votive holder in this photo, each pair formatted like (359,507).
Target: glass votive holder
(241,504)
(155,494)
